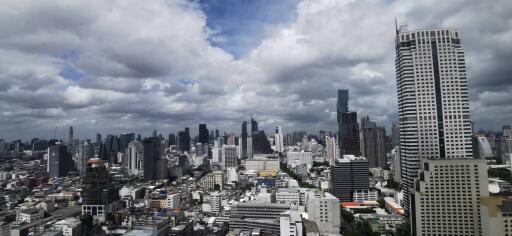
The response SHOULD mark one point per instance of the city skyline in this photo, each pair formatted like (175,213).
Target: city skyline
(222,73)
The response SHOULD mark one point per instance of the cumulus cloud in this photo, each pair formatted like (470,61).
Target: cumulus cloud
(117,66)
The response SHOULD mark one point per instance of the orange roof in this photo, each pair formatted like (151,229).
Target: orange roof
(349,204)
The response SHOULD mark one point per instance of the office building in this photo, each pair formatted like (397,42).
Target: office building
(332,150)
(260,143)
(98,191)
(135,158)
(151,154)
(254,126)
(59,160)
(249,147)
(215,202)
(172,139)
(447,197)
(98,138)
(262,163)
(350,143)
(124,139)
(229,156)
(71,141)
(243,143)
(294,158)
(109,149)
(86,151)
(433,103)
(348,175)
(395,135)
(396,165)
(341,107)
(324,210)
(203,134)
(373,144)
(279,140)
(184,140)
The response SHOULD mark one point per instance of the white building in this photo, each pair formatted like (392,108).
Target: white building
(135,156)
(395,165)
(262,163)
(433,103)
(209,181)
(484,147)
(332,151)
(30,215)
(173,201)
(294,158)
(232,175)
(447,197)
(69,226)
(290,223)
(288,196)
(215,202)
(217,155)
(365,195)
(324,210)
(279,140)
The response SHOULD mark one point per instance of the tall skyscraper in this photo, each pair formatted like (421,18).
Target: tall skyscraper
(254,126)
(373,143)
(172,139)
(395,135)
(348,175)
(98,138)
(135,156)
(184,140)
(124,139)
(433,106)
(70,139)
(59,160)
(151,155)
(341,107)
(243,144)
(98,190)
(350,143)
(332,151)
(85,153)
(203,134)
(279,140)
(109,149)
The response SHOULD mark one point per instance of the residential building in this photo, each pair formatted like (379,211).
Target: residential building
(324,210)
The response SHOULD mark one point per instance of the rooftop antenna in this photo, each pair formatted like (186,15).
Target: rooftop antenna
(396,26)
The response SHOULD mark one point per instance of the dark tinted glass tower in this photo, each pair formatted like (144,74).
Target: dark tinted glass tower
(59,160)
(254,126)
(341,107)
(151,155)
(184,140)
(349,175)
(124,139)
(203,134)
(350,143)
(244,140)
(97,186)
(172,139)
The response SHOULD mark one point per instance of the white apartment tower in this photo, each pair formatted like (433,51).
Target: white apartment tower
(448,197)
(433,101)
(279,139)
(332,151)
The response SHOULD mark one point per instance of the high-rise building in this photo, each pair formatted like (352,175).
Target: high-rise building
(215,202)
(135,158)
(496,215)
(172,139)
(332,151)
(98,138)
(203,134)
(373,144)
(254,126)
(109,149)
(341,107)
(229,156)
(260,143)
(155,133)
(433,104)
(70,142)
(350,143)
(243,144)
(85,152)
(151,155)
(348,175)
(290,223)
(217,134)
(184,140)
(324,210)
(98,191)
(279,140)
(447,197)
(124,139)
(59,160)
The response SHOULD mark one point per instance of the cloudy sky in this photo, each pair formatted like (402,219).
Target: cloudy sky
(127,65)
